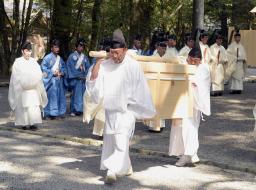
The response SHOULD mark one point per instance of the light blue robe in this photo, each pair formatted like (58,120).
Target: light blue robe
(76,78)
(55,86)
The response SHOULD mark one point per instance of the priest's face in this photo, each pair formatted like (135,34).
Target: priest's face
(171,43)
(80,49)
(218,42)
(137,44)
(161,51)
(190,43)
(55,49)
(204,39)
(26,53)
(193,60)
(117,55)
(237,39)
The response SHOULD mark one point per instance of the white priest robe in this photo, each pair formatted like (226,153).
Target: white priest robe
(219,59)
(26,92)
(237,68)
(171,52)
(185,51)
(206,52)
(126,97)
(94,111)
(184,133)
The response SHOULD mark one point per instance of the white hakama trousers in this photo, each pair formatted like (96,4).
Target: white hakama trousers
(218,82)
(176,146)
(115,153)
(237,77)
(118,132)
(184,137)
(27,110)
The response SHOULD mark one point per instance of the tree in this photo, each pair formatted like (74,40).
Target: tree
(16,29)
(62,24)
(198,14)
(96,14)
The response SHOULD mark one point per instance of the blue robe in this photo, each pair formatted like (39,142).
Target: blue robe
(76,78)
(55,86)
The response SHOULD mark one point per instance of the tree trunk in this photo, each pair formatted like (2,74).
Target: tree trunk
(5,53)
(224,24)
(15,31)
(24,30)
(198,14)
(96,13)
(61,24)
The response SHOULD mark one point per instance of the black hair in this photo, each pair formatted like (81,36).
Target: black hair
(55,42)
(80,42)
(195,52)
(26,45)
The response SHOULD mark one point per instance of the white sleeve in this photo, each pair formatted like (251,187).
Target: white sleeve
(94,88)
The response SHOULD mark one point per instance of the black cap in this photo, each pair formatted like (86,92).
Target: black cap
(81,42)
(26,45)
(118,40)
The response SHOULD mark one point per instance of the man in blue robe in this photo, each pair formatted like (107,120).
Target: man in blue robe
(77,67)
(54,72)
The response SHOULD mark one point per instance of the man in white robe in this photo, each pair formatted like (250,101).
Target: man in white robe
(236,68)
(205,50)
(171,50)
(184,133)
(219,59)
(188,46)
(126,97)
(26,91)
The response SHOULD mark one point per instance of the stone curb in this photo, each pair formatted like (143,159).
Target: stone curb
(93,142)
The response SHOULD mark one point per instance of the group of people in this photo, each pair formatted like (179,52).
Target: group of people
(57,77)
(119,84)
(225,64)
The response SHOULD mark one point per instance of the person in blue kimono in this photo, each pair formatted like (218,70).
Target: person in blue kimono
(77,67)
(54,73)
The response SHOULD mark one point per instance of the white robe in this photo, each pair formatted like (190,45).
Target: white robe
(184,51)
(126,97)
(206,52)
(94,111)
(26,92)
(171,52)
(184,133)
(219,58)
(237,65)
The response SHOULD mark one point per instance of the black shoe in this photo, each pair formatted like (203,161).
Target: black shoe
(33,127)
(52,117)
(239,92)
(153,131)
(214,94)
(24,127)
